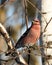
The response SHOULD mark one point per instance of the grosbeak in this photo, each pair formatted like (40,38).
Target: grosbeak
(30,37)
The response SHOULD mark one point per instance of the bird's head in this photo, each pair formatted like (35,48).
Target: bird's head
(36,21)
(36,24)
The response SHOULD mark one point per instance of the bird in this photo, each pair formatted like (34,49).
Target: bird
(30,37)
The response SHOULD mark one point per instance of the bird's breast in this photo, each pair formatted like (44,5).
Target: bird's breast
(31,38)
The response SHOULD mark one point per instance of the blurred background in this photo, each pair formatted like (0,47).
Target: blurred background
(12,16)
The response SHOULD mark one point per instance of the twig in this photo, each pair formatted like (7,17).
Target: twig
(37,10)
(7,1)
(3,4)
(21,58)
(26,17)
(6,36)
(46,25)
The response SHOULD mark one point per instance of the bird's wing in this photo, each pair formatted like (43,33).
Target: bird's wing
(20,41)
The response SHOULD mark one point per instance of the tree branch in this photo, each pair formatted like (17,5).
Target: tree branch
(6,36)
(46,25)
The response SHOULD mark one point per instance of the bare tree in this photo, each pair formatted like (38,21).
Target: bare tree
(46,29)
